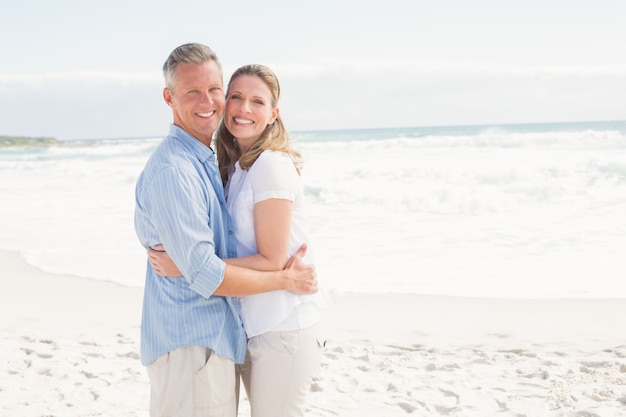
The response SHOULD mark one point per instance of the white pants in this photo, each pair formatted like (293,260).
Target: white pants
(278,371)
(192,382)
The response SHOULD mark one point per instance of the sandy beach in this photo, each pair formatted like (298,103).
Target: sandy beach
(70,348)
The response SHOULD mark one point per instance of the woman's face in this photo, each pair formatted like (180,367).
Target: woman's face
(248,109)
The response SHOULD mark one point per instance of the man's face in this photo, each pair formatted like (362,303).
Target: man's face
(197,99)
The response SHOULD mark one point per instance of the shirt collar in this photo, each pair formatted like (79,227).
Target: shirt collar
(202,152)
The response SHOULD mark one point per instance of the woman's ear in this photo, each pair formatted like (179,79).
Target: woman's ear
(275,113)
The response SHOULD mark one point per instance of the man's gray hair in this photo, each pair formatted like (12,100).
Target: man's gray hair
(189,53)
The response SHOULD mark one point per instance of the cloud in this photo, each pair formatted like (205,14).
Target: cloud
(429,67)
(79,105)
(417,93)
(57,80)
(324,95)
(322,70)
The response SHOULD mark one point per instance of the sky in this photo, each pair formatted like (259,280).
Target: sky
(92,69)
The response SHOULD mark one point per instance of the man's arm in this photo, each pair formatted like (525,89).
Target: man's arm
(297,277)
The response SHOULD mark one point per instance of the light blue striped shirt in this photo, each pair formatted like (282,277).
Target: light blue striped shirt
(180,204)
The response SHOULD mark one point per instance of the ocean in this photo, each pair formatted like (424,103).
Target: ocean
(521,211)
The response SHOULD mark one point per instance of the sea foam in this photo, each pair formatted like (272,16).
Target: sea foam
(502,211)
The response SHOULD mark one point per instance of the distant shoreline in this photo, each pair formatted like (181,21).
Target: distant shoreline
(298,133)
(8,141)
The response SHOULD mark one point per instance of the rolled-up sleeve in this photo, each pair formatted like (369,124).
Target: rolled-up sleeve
(185,230)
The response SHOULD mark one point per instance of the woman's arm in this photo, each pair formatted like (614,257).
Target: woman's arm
(272,228)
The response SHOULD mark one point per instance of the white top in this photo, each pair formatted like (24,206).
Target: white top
(272,175)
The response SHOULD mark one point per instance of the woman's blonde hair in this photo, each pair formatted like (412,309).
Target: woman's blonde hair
(274,137)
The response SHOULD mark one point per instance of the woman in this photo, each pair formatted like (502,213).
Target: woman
(265,199)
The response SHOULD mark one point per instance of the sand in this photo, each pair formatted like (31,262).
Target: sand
(70,347)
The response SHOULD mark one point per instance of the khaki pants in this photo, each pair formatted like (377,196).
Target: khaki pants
(278,371)
(192,382)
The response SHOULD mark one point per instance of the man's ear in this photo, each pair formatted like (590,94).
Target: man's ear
(167,96)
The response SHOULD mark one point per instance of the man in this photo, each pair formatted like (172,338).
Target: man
(191,333)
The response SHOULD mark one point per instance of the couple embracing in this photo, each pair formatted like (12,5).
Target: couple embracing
(229,288)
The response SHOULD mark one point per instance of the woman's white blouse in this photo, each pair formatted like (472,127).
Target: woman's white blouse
(272,175)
